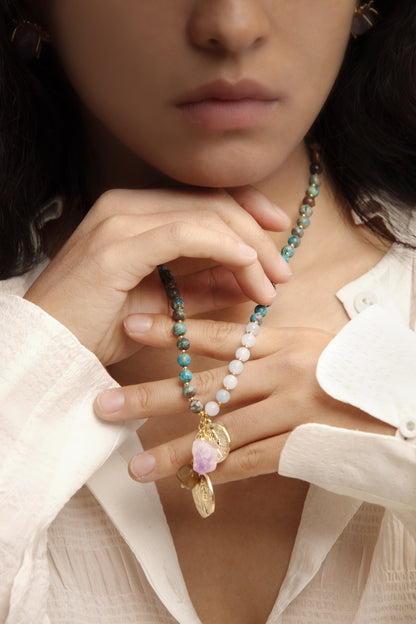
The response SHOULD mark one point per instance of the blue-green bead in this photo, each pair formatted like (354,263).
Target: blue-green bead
(303,222)
(185,375)
(184,359)
(294,240)
(177,303)
(298,231)
(196,406)
(315,179)
(256,318)
(260,309)
(288,251)
(306,210)
(188,391)
(179,329)
(312,190)
(183,344)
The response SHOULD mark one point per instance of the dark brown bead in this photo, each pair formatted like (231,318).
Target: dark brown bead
(179,315)
(315,157)
(173,292)
(315,168)
(309,201)
(187,476)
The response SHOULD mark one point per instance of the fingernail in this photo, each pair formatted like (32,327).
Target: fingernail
(247,250)
(110,401)
(138,323)
(142,465)
(269,287)
(285,266)
(283,214)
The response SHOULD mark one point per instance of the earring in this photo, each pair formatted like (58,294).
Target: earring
(363,20)
(29,38)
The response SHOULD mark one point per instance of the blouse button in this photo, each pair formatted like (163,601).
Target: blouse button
(364,299)
(408,428)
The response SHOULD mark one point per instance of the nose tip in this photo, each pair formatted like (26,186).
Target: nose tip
(228,26)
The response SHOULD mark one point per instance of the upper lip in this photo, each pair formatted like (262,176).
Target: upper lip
(229,91)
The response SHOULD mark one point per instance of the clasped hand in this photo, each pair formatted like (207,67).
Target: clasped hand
(277,392)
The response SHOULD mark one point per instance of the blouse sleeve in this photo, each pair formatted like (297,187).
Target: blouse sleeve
(50,441)
(370,364)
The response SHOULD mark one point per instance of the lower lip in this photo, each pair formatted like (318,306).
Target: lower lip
(214,114)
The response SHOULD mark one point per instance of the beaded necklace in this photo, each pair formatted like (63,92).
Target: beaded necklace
(212,442)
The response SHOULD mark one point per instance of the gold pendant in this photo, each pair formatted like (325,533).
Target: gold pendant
(203,495)
(218,435)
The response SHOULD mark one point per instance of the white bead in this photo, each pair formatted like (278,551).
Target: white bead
(253,328)
(211,408)
(223,396)
(242,354)
(235,367)
(248,340)
(230,382)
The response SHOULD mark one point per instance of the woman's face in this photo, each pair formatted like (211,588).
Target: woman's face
(210,92)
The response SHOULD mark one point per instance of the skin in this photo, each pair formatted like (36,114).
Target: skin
(131,67)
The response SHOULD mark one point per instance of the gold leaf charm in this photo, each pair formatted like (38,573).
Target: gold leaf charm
(203,495)
(218,435)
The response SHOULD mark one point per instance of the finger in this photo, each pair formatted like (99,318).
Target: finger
(267,214)
(177,239)
(215,339)
(157,203)
(211,289)
(254,459)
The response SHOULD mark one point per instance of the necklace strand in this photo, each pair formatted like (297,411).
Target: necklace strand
(212,441)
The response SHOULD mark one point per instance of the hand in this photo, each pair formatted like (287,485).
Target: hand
(106,270)
(277,391)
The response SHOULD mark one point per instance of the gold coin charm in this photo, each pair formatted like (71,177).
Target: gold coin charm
(203,494)
(219,435)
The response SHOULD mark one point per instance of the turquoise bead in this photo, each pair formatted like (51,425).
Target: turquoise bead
(183,344)
(306,210)
(256,318)
(288,251)
(179,329)
(315,179)
(188,391)
(185,375)
(184,359)
(259,309)
(294,240)
(177,303)
(303,222)
(312,191)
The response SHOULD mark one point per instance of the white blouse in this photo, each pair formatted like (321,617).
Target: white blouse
(103,553)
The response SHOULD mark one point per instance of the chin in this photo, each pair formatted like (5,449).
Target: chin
(222,173)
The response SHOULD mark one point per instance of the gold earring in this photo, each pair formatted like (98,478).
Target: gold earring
(29,38)
(364,18)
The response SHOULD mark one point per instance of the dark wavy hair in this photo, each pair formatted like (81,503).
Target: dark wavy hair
(367,130)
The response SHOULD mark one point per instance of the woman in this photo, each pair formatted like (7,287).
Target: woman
(176,127)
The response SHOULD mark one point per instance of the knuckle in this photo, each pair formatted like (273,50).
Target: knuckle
(108,203)
(250,460)
(142,398)
(178,231)
(173,455)
(207,381)
(111,227)
(217,333)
